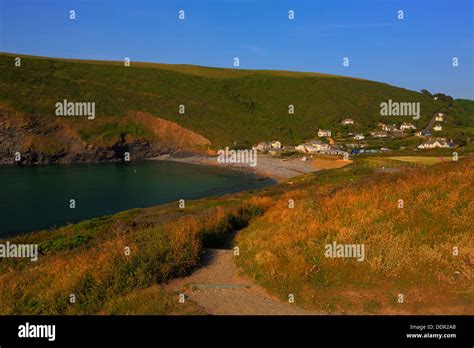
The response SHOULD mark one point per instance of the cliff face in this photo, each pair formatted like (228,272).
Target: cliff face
(37,139)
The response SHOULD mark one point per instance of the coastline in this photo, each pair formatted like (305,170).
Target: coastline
(276,168)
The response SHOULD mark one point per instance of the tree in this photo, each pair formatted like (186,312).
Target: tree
(427,93)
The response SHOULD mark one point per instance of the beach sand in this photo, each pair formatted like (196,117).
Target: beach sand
(277,168)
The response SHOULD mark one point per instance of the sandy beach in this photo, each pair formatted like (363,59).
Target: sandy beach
(277,168)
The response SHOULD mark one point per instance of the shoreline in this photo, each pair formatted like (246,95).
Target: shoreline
(276,168)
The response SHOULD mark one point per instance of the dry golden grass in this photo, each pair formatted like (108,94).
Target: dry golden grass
(407,251)
(103,277)
(170,133)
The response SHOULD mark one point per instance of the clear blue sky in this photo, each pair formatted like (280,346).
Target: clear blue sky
(414,53)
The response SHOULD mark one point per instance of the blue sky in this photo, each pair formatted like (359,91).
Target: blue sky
(413,53)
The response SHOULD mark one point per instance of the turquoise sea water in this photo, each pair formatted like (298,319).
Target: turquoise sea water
(37,197)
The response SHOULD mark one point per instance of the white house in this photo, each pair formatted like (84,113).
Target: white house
(359,136)
(324,133)
(347,121)
(319,145)
(300,148)
(406,125)
(389,127)
(275,144)
(433,143)
(313,146)
(311,149)
(437,128)
(439,117)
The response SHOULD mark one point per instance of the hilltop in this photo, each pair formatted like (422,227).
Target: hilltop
(222,106)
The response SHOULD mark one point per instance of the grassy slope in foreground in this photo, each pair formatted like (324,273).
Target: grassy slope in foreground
(223,105)
(91,260)
(408,250)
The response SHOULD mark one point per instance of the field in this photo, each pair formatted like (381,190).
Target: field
(422,159)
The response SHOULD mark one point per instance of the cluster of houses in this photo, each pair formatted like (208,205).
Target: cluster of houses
(393,130)
(319,147)
(273,147)
(310,147)
(387,130)
(437,127)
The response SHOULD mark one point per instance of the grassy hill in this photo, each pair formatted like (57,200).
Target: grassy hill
(408,251)
(226,106)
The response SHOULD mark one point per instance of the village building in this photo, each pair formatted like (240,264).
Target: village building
(264,146)
(359,136)
(300,147)
(389,127)
(275,144)
(434,143)
(313,146)
(324,133)
(439,117)
(320,145)
(424,133)
(333,150)
(347,121)
(311,149)
(406,125)
(379,134)
(437,128)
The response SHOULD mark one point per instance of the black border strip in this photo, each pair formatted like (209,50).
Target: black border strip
(224,330)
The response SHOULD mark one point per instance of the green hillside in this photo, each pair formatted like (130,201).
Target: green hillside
(225,106)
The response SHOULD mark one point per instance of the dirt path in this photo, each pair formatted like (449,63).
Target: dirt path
(218,288)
